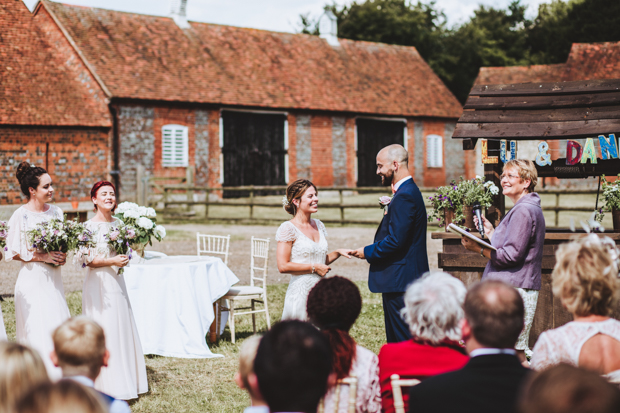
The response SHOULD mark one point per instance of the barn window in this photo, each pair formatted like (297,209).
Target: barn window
(174,145)
(434,151)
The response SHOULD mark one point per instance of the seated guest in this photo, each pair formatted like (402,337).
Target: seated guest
(247,354)
(79,350)
(433,311)
(491,379)
(564,388)
(21,369)
(333,306)
(64,396)
(585,279)
(293,365)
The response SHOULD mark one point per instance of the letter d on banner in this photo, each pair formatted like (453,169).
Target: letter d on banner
(573,158)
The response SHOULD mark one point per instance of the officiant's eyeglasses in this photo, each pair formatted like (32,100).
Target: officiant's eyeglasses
(508,176)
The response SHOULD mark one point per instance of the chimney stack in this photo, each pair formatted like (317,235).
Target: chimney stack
(328,28)
(178,14)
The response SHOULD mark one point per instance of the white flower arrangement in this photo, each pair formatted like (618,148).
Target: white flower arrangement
(143,220)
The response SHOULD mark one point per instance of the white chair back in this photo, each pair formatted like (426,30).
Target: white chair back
(350,381)
(397,383)
(213,245)
(259,259)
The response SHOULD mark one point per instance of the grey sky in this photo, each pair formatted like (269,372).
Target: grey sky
(277,15)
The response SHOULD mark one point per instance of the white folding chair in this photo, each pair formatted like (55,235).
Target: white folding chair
(213,245)
(259,257)
(397,383)
(350,381)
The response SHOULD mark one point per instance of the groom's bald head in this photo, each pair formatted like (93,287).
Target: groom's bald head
(394,153)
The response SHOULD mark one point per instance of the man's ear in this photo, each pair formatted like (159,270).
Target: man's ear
(54,358)
(239,381)
(254,388)
(106,358)
(465,329)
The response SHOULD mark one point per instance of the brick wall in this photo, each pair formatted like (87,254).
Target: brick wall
(76,159)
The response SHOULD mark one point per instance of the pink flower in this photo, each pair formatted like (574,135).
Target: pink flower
(114,235)
(385,200)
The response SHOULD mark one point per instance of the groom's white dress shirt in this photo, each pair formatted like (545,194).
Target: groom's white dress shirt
(399,183)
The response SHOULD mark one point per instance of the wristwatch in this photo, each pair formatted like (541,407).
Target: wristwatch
(482,252)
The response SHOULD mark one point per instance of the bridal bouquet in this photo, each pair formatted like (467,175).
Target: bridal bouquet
(143,221)
(4,232)
(60,235)
(120,239)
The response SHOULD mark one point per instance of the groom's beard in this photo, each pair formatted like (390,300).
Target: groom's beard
(386,180)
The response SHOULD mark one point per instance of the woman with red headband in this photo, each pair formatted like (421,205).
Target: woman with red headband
(105,300)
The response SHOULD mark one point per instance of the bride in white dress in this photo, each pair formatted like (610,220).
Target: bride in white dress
(302,248)
(40,304)
(105,300)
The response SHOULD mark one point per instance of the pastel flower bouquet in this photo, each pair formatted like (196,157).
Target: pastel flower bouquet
(143,222)
(60,235)
(120,239)
(4,232)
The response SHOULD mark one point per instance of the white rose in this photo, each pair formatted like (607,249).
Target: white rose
(144,223)
(150,213)
(142,211)
(160,230)
(131,214)
(478,177)
(494,190)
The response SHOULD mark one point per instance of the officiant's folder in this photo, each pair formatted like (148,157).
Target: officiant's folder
(460,231)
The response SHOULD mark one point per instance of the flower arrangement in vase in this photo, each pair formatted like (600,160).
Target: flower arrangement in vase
(447,204)
(611,197)
(143,221)
(476,190)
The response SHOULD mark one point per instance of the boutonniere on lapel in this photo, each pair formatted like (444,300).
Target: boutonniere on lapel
(384,201)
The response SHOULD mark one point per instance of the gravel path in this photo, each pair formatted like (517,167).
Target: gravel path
(181,240)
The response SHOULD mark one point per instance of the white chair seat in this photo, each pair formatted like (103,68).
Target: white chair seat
(244,290)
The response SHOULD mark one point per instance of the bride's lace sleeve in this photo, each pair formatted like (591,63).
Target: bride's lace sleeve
(286,233)
(321,227)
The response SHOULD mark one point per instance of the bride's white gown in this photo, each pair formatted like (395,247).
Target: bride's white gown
(304,251)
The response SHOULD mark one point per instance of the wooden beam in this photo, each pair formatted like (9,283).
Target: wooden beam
(543,102)
(556,88)
(541,115)
(559,169)
(537,130)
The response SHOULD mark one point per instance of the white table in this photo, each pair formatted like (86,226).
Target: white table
(172,300)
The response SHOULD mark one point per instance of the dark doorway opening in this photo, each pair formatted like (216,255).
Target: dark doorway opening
(253,150)
(372,136)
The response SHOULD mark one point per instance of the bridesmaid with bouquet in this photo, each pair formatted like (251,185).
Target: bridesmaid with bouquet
(40,304)
(105,300)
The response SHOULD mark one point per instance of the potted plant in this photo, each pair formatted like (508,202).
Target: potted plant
(447,205)
(611,197)
(476,190)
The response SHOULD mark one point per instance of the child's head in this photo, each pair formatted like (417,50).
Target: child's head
(247,354)
(79,347)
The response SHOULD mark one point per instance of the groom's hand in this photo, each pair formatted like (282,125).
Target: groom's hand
(358,253)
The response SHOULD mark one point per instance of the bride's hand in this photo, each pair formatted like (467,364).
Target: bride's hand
(321,269)
(344,253)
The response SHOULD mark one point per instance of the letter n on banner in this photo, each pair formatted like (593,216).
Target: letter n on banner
(573,158)
(485,149)
(609,147)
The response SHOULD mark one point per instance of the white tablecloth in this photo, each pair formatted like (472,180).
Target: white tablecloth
(172,300)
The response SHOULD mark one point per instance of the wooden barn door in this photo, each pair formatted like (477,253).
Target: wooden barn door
(253,149)
(372,136)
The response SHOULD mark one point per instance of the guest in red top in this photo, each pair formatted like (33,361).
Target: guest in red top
(433,310)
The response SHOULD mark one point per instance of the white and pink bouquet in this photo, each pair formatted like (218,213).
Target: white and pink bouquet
(143,220)
(60,235)
(4,232)
(120,239)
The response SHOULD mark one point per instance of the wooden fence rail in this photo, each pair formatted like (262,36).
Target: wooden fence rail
(165,194)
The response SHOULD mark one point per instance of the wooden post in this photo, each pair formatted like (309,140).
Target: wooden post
(251,202)
(207,204)
(492,172)
(189,181)
(557,213)
(165,198)
(341,207)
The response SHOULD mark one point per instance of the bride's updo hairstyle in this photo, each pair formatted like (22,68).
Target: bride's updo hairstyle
(97,187)
(28,177)
(296,191)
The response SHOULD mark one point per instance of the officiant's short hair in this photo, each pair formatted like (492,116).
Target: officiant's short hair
(80,341)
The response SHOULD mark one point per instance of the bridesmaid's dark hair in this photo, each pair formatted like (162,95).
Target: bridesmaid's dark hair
(28,177)
(333,305)
(97,187)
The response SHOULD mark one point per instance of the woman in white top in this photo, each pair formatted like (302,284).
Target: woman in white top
(105,300)
(3,336)
(40,304)
(302,247)
(585,278)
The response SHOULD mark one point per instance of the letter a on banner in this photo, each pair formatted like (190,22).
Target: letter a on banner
(573,158)
(485,149)
(589,152)
(609,147)
(502,150)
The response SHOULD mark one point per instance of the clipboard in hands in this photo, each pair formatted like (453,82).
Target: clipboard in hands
(458,230)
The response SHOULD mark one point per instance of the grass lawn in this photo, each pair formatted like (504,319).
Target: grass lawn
(206,385)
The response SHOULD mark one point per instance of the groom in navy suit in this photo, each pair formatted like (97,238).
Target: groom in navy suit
(398,255)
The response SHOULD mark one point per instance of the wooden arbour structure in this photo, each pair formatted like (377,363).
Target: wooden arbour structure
(534,112)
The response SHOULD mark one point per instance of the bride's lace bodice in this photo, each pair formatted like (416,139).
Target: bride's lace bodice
(305,250)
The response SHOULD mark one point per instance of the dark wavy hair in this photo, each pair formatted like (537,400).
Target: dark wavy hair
(97,187)
(28,177)
(333,305)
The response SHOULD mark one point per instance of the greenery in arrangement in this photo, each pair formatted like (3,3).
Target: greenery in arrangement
(142,221)
(477,190)
(59,235)
(611,197)
(4,232)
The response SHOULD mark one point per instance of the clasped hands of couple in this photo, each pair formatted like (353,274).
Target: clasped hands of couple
(323,269)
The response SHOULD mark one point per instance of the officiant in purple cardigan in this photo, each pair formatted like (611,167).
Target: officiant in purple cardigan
(519,240)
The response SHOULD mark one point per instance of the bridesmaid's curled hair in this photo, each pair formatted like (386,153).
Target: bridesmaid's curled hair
(28,177)
(333,305)
(97,187)
(296,191)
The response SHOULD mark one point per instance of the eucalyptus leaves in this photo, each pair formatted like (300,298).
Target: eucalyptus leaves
(611,196)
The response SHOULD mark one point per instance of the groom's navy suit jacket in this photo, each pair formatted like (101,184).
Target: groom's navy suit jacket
(398,255)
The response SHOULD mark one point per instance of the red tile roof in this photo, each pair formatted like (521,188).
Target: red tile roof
(586,61)
(148,57)
(36,88)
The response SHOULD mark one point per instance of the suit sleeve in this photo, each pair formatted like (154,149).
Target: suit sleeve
(402,220)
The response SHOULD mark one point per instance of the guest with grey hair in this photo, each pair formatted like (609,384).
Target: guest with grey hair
(433,311)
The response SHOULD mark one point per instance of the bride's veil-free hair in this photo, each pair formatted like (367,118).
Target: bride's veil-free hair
(295,191)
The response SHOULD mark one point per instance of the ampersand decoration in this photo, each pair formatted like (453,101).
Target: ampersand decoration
(543,158)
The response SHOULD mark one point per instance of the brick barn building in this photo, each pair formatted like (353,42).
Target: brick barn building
(49,114)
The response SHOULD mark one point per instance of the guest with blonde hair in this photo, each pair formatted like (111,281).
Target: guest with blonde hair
(61,397)
(585,279)
(245,375)
(21,368)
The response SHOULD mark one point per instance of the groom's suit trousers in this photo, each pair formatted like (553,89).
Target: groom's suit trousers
(396,330)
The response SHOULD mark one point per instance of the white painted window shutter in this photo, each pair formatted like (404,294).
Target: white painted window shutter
(174,145)
(434,151)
